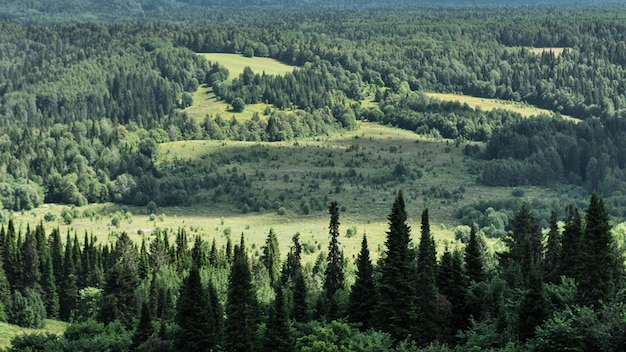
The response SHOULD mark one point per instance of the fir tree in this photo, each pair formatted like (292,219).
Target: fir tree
(362,296)
(525,247)
(603,264)
(427,284)
(396,308)
(68,288)
(299,292)
(31,267)
(11,256)
(144,326)
(56,251)
(571,245)
(533,306)
(474,258)
(50,294)
(241,307)
(278,336)
(144,261)
(123,279)
(334,275)
(194,316)
(271,257)
(553,252)
(198,255)
(452,284)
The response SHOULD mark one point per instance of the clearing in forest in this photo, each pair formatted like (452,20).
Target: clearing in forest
(487,104)
(554,50)
(235,64)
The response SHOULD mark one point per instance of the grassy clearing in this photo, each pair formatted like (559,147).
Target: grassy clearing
(296,172)
(235,64)
(206,103)
(8,331)
(486,104)
(554,50)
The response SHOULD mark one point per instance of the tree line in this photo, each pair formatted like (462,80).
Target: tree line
(540,292)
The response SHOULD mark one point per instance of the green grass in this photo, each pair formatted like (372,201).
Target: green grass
(235,64)
(487,104)
(206,103)
(8,331)
(290,168)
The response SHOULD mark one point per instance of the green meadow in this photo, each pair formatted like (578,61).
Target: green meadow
(8,331)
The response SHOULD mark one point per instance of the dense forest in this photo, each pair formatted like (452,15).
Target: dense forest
(89,90)
(562,290)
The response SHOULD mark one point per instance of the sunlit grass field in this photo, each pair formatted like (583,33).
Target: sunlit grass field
(291,166)
(487,104)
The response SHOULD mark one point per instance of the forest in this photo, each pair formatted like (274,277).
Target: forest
(90,92)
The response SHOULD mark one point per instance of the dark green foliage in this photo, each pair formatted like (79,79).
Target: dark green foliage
(68,288)
(553,252)
(533,308)
(396,310)
(278,335)
(238,105)
(35,342)
(195,316)
(525,247)
(452,284)
(241,306)
(363,296)
(334,274)
(144,328)
(426,285)
(123,280)
(93,336)
(31,267)
(603,268)
(271,257)
(474,258)
(571,264)
(26,310)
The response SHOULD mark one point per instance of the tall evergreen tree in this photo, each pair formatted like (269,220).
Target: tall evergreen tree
(56,251)
(271,257)
(278,336)
(183,255)
(195,316)
(123,279)
(68,288)
(50,295)
(553,252)
(427,285)
(474,258)
(532,311)
(334,276)
(293,279)
(452,285)
(241,306)
(198,254)
(396,308)
(571,245)
(604,266)
(525,247)
(144,329)
(363,293)
(11,256)
(31,267)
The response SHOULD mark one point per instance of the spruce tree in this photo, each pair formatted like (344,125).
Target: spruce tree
(396,308)
(572,261)
(123,279)
(31,268)
(195,316)
(144,326)
(68,288)
(11,256)
(198,255)
(452,285)
(525,247)
(603,265)
(532,311)
(50,295)
(299,293)
(474,258)
(553,252)
(427,285)
(278,336)
(56,252)
(334,275)
(241,306)
(363,293)
(271,257)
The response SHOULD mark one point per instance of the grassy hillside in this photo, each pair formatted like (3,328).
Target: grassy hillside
(492,104)
(8,331)
(357,169)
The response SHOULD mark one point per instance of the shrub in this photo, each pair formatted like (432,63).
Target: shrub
(26,310)
(281,211)
(115,220)
(151,208)
(238,105)
(49,217)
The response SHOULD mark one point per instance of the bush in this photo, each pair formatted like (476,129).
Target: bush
(67,215)
(281,211)
(49,217)
(26,310)
(151,208)
(115,220)
(238,105)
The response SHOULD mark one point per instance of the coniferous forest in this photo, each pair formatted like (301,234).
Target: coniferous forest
(90,90)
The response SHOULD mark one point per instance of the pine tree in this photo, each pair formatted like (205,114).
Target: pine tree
(213,256)
(123,279)
(553,252)
(362,295)
(31,268)
(474,258)
(271,257)
(144,329)
(68,288)
(396,308)
(56,252)
(278,336)
(183,255)
(427,284)
(603,264)
(571,258)
(241,307)
(194,316)
(299,292)
(525,247)
(198,255)
(452,285)
(334,275)
(144,261)
(11,256)
(50,294)
(533,309)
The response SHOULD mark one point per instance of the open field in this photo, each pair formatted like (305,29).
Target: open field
(8,331)
(554,50)
(235,64)
(206,103)
(355,168)
(487,104)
